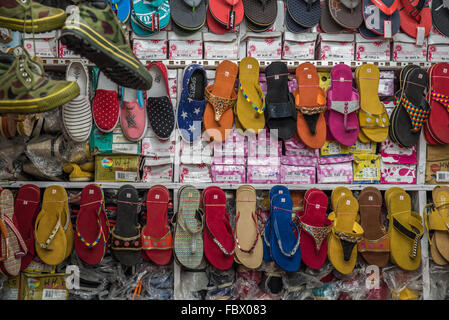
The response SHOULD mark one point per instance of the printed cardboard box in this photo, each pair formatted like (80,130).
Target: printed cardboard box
(372,50)
(395,173)
(366,168)
(113,142)
(222,173)
(152,47)
(221,46)
(299,46)
(180,47)
(43,286)
(333,148)
(11,289)
(195,173)
(405,49)
(117,168)
(162,173)
(336,47)
(263,174)
(335,169)
(298,175)
(437,164)
(438,48)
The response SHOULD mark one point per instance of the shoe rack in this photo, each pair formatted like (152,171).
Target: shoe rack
(419,192)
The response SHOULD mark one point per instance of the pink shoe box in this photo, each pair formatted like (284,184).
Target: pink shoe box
(338,47)
(221,46)
(44,44)
(405,49)
(438,48)
(393,153)
(299,161)
(264,149)
(151,47)
(372,50)
(263,174)
(297,174)
(195,173)
(157,170)
(199,152)
(335,170)
(222,173)
(386,84)
(190,47)
(232,151)
(395,173)
(295,147)
(299,46)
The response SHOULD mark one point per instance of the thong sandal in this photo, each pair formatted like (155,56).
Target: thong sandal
(440,16)
(280,113)
(382,17)
(405,229)
(436,218)
(221,97)
(416,21)
(343,102)
(250,105)
(375,244)
(248,242)
(345,235)
(228,13)
(260,12)
(373,117)
(306,13)
(346,13)
(13,248)
(327,22)
(310,100)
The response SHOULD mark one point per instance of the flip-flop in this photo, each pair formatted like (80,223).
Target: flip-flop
(292,26)
(306,13)
(346,232)
(327,22)
(375,244)
(250,105)
(260,12)
(280,111)
(343,102)
(337,193)
(437,222)
(249,247)
(188,242)
(92,226)
(13,248)
(347,13)
(26,209)
(213,25)
(416,19)
(192,103)
(255,27)
(440,16)
(373,117)
(221,98)
(218,236)
(188,14)
(284,245)
(315,228)
(382,16)
(310,101)
(438,95)
(157,240)
(229,13)
(126,243)
(367,33)
(161,115)
(151,16)
(405,230)
(50,231)
(123,8)
(412,109)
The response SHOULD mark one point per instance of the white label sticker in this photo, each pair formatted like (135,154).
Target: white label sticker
(53,191)
(54,294)
(190,195)
(388,29)
(370,198)
(309,76)
(215,196)
(125,148)
(25,203)
(283,200)
(250,66)
(157,197)
(348,202)
(91,191)
(442,176)
(126,176)
(370,173)
(401,197)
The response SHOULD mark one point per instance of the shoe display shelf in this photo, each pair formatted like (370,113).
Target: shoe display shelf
(420,192)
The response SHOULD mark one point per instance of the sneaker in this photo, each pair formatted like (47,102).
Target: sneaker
(105,105)
(24,87)
(93,31)
(30,16)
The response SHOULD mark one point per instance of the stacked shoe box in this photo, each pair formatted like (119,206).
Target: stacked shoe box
(334,164)
(185,47)
(406,49)
(333,47)
(372,49)
(43,44)
(438,47)
(299,46)
(298,165)
(195,162)
(158,158)
(152,47)
(221,46)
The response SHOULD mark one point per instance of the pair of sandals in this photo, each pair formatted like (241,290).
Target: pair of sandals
(147,17)
(224,15)
(338,15)
(302,15)
(260,15)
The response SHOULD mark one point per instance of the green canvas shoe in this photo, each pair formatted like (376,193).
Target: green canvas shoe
(93,31)
(24,88)
(29,16)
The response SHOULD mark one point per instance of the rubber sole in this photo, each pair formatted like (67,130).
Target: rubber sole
(38,105)
(120,67)
(36,25)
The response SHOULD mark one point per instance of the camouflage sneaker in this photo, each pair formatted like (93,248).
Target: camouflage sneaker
(24,88)
(29,16)
(94,31)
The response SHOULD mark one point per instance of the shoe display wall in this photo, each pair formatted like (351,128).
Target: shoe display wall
(309,149)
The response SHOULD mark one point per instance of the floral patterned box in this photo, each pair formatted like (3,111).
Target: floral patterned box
(405,49)
(195,173)
(269,48)
(372,50)
(298,175)
(46,48)
(151,47)
(338,47)
(180,47)
(263,174)
(438,48)
(335,172)
(221,46)
(295,147)
(228,173)
(158,173)
(299,46)
(394,173)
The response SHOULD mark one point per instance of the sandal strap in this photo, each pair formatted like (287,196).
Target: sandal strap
(50,238)
(418,115)
(379,245)
(257,236)
(319,234)
(413,11)
(261,95)
(220,104)
(278,236)
(218,243)
(130,243)
(184,226)
(416,237)
(441,98)
(22,244)
(152,243)
(100,226)
(4,235)
(380,120)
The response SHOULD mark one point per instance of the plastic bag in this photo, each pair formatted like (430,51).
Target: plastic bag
(439,282)
(403,285)
(10,150)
